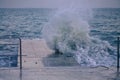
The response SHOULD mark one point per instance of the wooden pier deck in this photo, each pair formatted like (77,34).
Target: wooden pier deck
(34,69)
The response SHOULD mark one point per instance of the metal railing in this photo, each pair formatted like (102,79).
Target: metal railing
(10,42)
(7,47)
(118,53)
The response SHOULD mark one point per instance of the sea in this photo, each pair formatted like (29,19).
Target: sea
(28,23)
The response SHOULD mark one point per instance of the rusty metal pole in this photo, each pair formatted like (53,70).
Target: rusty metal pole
(118,53)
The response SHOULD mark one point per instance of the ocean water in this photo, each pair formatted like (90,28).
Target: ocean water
(101,27)
(105,24)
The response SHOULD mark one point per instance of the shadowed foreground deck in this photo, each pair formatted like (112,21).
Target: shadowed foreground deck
(34,69)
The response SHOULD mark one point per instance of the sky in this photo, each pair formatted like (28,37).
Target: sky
(59,3)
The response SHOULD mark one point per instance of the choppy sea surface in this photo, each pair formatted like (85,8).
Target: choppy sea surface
(28,23)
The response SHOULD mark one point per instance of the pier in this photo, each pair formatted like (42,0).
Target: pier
(34,51)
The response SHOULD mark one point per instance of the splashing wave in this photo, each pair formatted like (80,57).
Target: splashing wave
(68,32)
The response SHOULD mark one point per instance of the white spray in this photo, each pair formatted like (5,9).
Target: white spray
(68,32)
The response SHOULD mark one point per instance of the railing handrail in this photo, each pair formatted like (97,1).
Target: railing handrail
(19,51)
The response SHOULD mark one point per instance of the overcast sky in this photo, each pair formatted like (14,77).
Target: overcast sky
(59,3)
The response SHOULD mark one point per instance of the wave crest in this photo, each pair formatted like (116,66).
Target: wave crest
(69,33)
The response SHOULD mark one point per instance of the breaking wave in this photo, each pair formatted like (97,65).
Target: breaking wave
(68,32)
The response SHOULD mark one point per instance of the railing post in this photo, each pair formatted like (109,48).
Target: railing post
(118,55)
(20,58)
(20,54)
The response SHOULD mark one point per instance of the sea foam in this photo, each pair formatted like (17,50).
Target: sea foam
(68,32)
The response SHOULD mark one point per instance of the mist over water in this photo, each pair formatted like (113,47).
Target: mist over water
(69,32)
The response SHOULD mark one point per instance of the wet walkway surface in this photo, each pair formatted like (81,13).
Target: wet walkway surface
(33,67)
(35,51)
